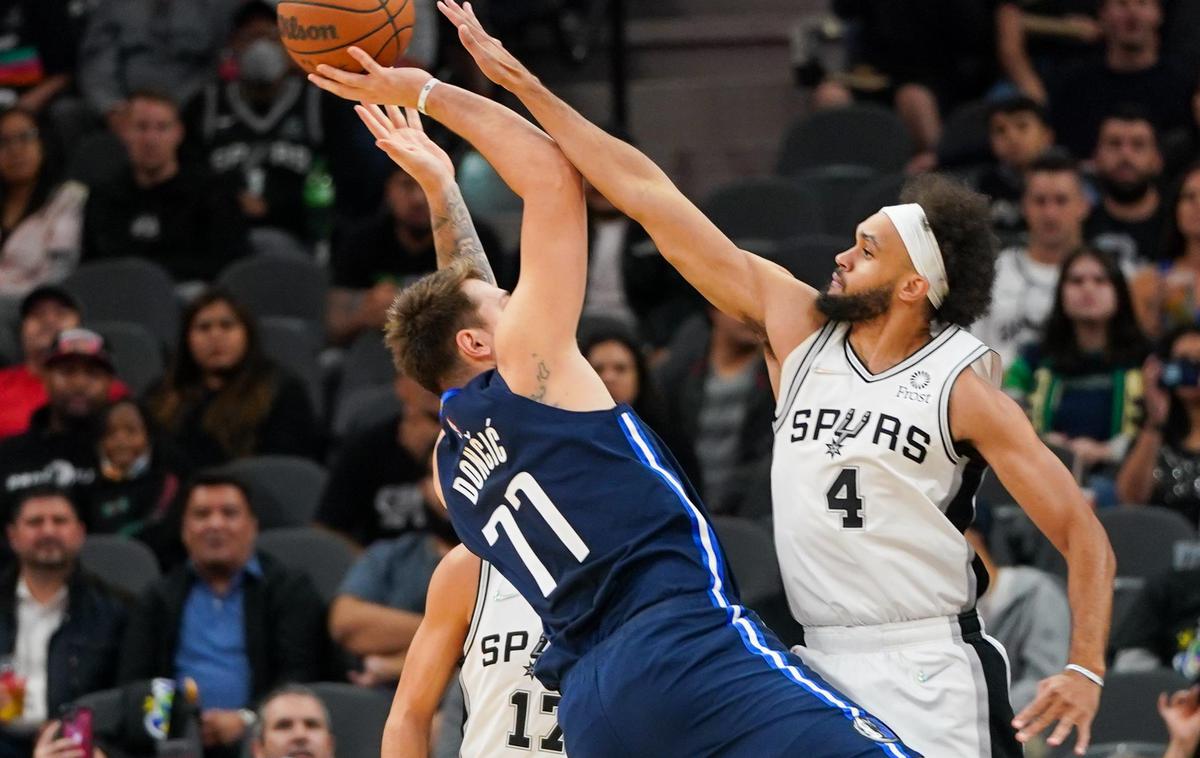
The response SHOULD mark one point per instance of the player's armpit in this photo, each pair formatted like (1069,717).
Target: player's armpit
(431,659)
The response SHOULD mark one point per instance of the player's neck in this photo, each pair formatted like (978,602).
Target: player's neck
(883,342)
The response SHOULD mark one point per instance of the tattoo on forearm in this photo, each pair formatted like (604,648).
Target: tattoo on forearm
(455,237)
(543,375)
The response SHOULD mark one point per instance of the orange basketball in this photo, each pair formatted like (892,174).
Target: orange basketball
(319,31)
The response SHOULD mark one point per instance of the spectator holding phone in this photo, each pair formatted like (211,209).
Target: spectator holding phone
(1163,466)
(53,744)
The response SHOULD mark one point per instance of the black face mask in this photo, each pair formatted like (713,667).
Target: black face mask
(863,306)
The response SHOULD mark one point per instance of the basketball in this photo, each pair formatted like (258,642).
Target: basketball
(320,31)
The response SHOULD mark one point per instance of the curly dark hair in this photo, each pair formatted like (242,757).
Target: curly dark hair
(961,221)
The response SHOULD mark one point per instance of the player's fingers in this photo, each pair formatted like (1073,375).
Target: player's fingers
(1031,711)
(372,122)
(396,117)
(369,64)
(1039,724)
(1060,733)
(1163,703)
(333,87)
(414,119)
(1084,730)
(346,78)
(450,10)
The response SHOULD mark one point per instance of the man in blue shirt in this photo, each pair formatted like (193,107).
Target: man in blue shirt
(237,622)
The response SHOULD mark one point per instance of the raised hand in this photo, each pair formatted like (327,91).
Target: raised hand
(1068,699)
(493,60)
(401,135)
(380,84)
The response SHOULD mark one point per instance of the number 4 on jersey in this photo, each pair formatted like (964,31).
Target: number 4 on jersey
(843,497)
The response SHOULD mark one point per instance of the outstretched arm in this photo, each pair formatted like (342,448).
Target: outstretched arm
(435,651)
(745,286)
(986,418)
(535,337)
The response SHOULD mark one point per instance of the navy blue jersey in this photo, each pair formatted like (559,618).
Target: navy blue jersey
(585,513)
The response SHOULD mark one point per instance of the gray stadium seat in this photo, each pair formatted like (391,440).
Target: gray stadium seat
(265,240)
(1128,709)
(811,258)
(863,135)
(358,716)
(750,550)
(764,208)
(877,193)
(120,561)
(271,285)
(137,355)
(1144,537)
(128,289)
(286,489)
(324,556)
(838,186)
(368,363)
(965,138)
(483,190)
(364,407)
(290,342)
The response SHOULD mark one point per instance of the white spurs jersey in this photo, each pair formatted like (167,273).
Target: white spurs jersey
(508,711)
(870,495)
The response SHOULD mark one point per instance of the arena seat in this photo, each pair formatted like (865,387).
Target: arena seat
(864,135)
(764,208)
(810,258)
(323,556)
(1144,537)
(837,186)
(272,285)
(128,289)
(124,563)
(292,344)
(363,407)
(136,353)
(286,489)
(358,716)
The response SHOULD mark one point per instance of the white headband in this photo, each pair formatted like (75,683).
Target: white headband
(922,246)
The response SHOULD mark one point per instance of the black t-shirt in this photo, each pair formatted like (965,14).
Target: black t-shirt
(1049,50)
(370,253)
(42,457)
(374,490)
(1165,617)
(190,224)
(1129,242)
(35,43)
(1081,100)
(1003,186)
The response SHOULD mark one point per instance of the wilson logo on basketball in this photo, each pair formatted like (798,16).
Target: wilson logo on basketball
(291,28)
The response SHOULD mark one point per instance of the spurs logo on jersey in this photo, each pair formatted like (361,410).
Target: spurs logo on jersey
(870,494)
(508,711)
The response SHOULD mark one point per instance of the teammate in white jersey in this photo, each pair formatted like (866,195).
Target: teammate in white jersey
(474,615)
(873,486)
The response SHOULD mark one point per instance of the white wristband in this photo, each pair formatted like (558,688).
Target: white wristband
(429,85)
(1094,677)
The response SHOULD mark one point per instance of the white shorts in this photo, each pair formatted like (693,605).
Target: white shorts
(941,684)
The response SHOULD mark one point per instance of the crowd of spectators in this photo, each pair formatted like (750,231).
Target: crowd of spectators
(174,132)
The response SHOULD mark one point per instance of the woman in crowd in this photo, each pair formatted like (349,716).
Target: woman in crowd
(1163,466)
(41,219)
(223,398)
(138,484)
(613,351)
(1166,296)
(1082,384)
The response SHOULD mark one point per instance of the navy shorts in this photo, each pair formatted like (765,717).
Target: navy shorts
(687,679)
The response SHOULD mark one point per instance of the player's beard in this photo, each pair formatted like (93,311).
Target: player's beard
(862,306)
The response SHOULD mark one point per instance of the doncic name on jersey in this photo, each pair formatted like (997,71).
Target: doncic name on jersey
(481,454)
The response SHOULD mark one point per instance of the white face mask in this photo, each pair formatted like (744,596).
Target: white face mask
(264,61)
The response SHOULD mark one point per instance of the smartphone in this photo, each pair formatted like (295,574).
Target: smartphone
(77,726)
(1180,372)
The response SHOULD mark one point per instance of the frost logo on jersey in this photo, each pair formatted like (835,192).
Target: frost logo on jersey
(874,729)
(845,432)
(918,381)
(481,454)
